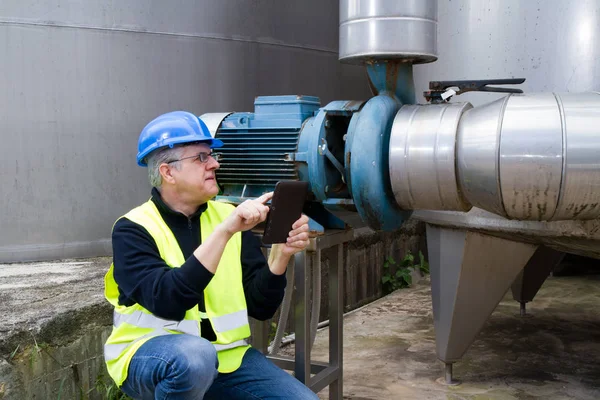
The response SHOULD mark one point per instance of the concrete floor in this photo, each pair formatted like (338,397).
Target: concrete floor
(389,348)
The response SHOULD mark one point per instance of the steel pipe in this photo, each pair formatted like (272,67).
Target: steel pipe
(388,30)
(422,157)
(523,157)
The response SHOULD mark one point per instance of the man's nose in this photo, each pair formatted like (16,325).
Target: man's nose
(213,163)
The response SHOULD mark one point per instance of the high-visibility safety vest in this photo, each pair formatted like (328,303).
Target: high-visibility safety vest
(223,297)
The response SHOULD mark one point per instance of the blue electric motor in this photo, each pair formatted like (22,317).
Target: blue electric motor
(259,148)
(341,150)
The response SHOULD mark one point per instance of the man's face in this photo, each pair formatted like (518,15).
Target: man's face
(195,181)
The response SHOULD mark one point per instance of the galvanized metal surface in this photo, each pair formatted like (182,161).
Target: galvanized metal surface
(523,157)
(388,29)
(533,276)
(580,191)
(470,273)
(477,164)
(549,165)
(577,237)
(266,22)
(543,149)
(81,79)
(422,157)
(531,156)
(554,44)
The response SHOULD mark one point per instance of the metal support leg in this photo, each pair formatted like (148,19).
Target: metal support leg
(260,336)
(533,276)
(448,379)
(523,309)
(336,315)
(470,273)
(325,374)
(302,319)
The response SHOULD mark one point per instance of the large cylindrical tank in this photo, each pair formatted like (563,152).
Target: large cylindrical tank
(554,44)
(81,79)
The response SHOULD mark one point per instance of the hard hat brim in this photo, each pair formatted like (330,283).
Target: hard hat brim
(212,143)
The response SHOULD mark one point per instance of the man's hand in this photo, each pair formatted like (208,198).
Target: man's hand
(248,214)
(297,241)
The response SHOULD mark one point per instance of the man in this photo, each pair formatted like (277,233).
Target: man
(187,272)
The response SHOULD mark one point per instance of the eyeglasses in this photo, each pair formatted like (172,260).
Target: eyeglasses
(202,156)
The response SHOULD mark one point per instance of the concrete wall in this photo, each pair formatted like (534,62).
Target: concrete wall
(80,79)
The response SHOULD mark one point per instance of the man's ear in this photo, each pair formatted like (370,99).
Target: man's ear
(165,173)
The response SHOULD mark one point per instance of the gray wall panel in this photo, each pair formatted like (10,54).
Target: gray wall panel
(310,23)
(74,100)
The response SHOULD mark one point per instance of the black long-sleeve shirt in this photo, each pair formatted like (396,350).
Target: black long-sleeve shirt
(143,277)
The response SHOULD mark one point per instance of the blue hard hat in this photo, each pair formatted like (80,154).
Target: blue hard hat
(173,128)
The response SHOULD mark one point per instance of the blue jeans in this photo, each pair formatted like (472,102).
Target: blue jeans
(184,367)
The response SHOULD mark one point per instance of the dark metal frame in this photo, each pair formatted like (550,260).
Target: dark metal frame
(325,374)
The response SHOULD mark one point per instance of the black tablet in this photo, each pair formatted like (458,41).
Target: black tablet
(286,208)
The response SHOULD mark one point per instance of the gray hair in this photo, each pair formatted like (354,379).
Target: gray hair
(160,156)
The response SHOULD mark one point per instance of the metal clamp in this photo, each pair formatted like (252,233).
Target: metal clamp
(440,92)
(324,151)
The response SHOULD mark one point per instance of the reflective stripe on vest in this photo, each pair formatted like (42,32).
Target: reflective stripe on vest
(161,326)
(141,319)
(149,321)
(112,351)
(239,343)
(230,322)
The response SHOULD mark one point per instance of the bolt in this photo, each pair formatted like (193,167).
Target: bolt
(327,123)
(326,188)
(344,137)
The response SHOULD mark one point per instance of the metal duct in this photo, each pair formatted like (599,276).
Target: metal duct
(422,157)
(525,157)
(388,30)
(580,186)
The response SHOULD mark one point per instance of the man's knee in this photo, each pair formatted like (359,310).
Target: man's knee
(196,356)
(168,364)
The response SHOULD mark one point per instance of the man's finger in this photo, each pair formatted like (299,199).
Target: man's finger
(301,229)
(259,209)
(264,211)
(300,236)
(251,213)
(301,244)
(265,197)
(300,221)
(245,213)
